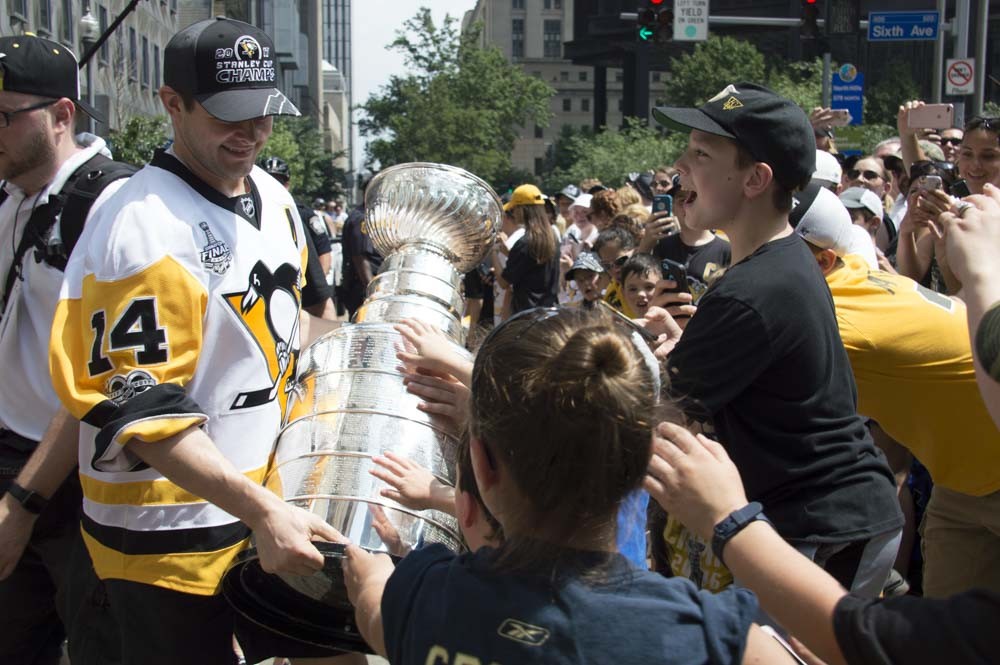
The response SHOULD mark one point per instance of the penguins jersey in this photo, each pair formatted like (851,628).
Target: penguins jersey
(182,310)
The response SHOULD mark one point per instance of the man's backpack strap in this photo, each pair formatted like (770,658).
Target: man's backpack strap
(78,195)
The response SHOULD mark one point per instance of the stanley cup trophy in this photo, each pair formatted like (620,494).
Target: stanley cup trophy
(432,223)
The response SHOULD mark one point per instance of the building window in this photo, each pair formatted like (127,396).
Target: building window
(517,4)
(585,104)
(19,8)
(102,21)
(583,76)
(133,54)
(517,38)
(539,165)
(656,77)
(45,16)
(563,76)
(156,67)
(567,104)
(552,39)
(621,104)
(145,61)
(66,19)
(539,132)
(619,77)
(173,6)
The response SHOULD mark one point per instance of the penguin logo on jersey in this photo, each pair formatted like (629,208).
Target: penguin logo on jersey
(269,308)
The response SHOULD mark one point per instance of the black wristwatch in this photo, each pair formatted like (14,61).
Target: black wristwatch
(732,525)
(33,502)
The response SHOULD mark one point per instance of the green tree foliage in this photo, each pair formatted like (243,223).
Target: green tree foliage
(715,63)
(313,174)
(882,100)
(612,154)
(461,104)
(137,140)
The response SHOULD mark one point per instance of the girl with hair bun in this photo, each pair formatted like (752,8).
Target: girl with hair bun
(560,421)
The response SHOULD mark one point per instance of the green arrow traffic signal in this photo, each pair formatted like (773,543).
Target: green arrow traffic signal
(645,33)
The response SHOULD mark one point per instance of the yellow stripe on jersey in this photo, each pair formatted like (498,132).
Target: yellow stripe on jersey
(141,330)
(198,573)
(148,492)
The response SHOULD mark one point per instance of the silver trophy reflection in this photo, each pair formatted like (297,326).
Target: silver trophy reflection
(432,223)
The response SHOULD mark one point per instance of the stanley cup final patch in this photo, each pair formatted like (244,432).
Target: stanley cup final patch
(215,255)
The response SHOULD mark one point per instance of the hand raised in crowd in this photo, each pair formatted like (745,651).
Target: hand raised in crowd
(972,235)
(929,205)
(659,322)
(283,536)
(693,478)
(658,225)
(412,485)
(16,524)
(432,351)
(677,303)
(822,119)
(902,118)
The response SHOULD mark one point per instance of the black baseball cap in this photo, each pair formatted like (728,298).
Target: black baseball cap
(33,65)
(772,128)
(228,67)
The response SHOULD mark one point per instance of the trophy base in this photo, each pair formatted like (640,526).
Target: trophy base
(313,610)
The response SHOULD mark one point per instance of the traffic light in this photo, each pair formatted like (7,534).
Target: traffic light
(810,14)
(656,20)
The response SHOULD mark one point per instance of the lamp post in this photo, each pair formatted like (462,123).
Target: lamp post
(89,30)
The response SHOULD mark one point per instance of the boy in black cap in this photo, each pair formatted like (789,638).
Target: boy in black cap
(761,362)
(44,169)
(175,339)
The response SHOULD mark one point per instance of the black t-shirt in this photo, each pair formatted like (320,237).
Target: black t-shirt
(356,243)
(316,290)
(703,262)
(960,630)
(762,361)
(438,604)
(534,284)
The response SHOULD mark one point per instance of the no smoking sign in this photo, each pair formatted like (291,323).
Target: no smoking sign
(959,76)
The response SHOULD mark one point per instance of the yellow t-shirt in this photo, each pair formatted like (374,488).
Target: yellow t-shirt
(614,296)
(912,360)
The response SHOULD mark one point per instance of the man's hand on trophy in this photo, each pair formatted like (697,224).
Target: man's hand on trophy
(431,350)
(412,485)
(283,537)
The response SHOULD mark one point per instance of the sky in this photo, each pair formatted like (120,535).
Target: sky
(375,23)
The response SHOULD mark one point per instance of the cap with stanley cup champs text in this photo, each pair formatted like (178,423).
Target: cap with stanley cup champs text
(33,65)
(772,128)
(228,67)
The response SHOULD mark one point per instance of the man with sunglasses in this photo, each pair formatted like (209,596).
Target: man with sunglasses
(42,165)
(951,140)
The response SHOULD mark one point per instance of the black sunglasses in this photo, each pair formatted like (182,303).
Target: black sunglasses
(855,174)
(617,263)
(951,140)
(6,115)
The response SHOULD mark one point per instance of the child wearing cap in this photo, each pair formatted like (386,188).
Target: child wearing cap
(590,279)
(760,364)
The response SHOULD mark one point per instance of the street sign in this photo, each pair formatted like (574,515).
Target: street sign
(843,17)
(690,20)
(903,26)
(959,78)
(848,91)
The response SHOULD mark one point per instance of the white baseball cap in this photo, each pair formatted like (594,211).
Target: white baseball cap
(825,221)
(583,201)
(860,197)
(827,168)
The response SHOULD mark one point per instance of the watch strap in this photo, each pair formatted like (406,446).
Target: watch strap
(31,501)
(733,524)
